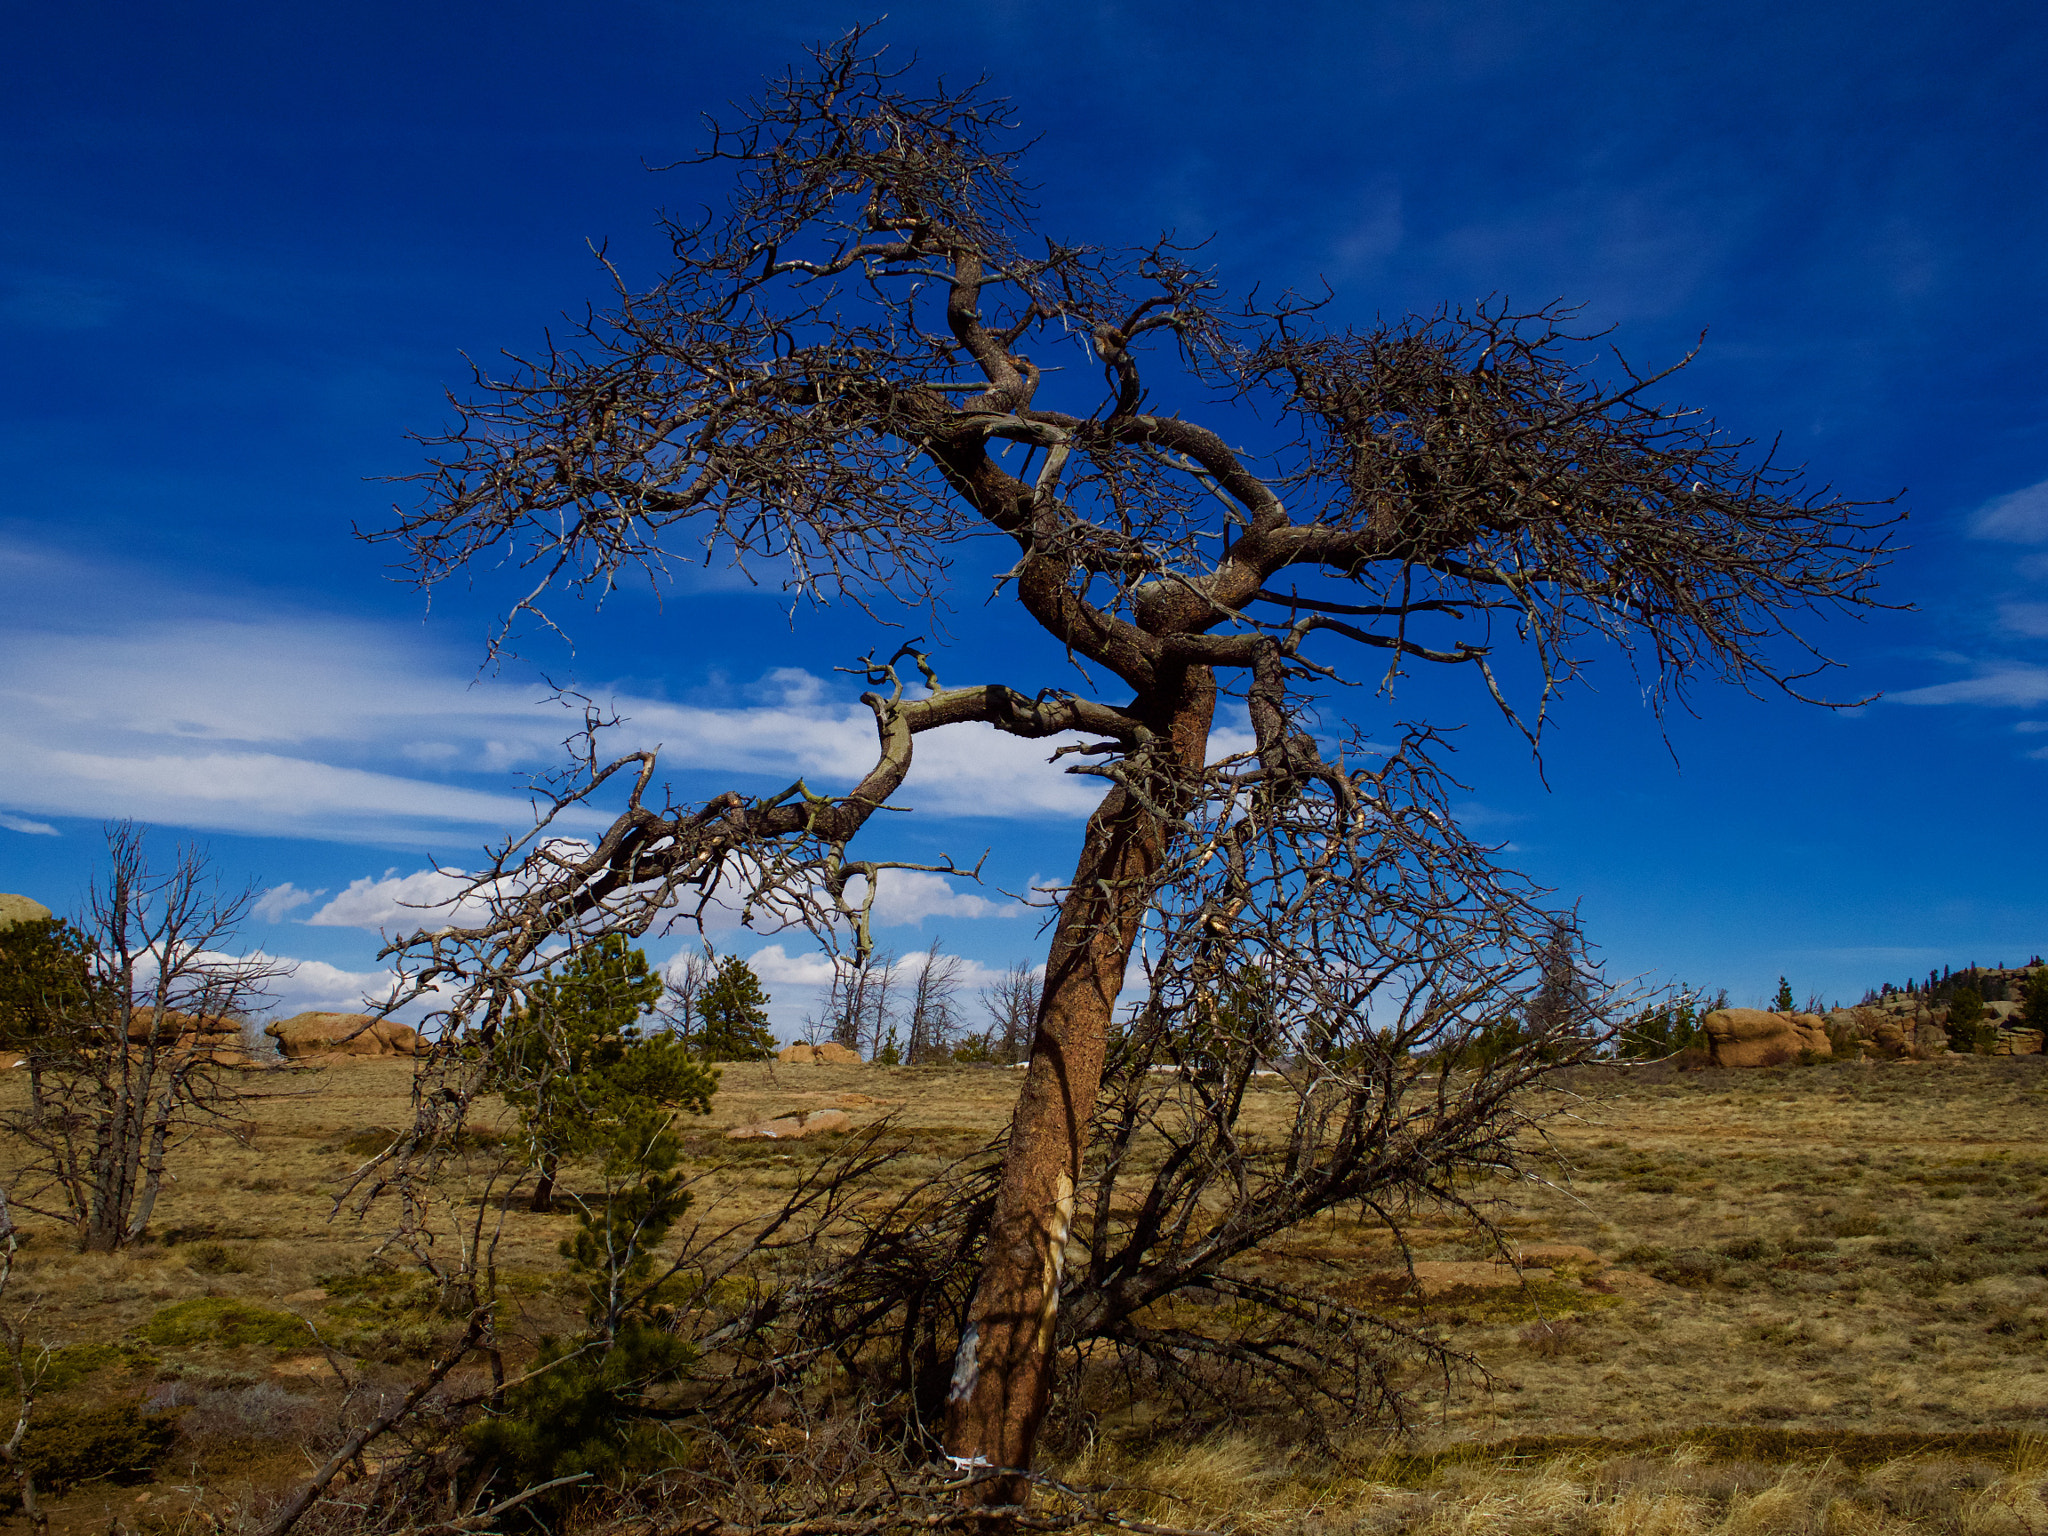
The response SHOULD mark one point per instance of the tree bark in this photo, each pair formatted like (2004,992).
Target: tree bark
(1002,1374)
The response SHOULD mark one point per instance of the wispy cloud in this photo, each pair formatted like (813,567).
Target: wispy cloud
(23,824)
(2020,517)
(327,728)
(2014,685)
(2029,619)
(393,902)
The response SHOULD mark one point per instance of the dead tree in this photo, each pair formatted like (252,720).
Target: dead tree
(837,376)
(134,1060)
(1011,1005)
(934,1011)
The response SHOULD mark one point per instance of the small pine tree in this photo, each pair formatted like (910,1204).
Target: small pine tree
(732,1015)
(1783,1003)
(592,1405)
(1965,1019)
(576,1061)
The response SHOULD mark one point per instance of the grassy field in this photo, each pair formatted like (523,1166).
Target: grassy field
(1786,1299)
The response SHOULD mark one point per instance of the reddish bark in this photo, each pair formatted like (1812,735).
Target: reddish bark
(1002,1378)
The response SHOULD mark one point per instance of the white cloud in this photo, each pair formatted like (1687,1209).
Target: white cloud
(262,793)
(907,897)
(321,727)
(1228,741)
(275,904)
(2029,727)
(2020,517)
(316,985)
(428,898)
(965,770)
(778,968)
(2011,684)
(22,824)
(2030,619)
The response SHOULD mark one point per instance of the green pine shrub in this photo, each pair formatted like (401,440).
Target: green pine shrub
(115,1442)
(592,1407)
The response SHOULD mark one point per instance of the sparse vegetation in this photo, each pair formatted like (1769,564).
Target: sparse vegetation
(1743,1274)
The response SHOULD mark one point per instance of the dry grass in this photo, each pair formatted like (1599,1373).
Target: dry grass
(1800,1299)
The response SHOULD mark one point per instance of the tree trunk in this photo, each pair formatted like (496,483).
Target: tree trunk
(1002,1375)
(152,1169)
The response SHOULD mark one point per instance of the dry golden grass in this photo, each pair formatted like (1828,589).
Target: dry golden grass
(1734,1276)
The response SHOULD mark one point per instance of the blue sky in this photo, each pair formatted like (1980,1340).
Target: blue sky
(243,248)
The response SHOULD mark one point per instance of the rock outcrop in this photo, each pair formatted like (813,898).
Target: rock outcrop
(344,1035)
(1751,1037)
(818,1122)
(830,1054)
(218,1039)
(21,909)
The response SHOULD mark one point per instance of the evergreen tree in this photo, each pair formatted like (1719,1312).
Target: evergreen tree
(593,1404)
(2034,1000)
(1783,1002)
(1965,1019)
(45,975)
(732,1015)
(577,1063)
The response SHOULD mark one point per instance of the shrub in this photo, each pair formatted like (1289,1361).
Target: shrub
(1749,1249)
(1553,1337)
(386,1314)
(223,1320)
(264,1411)
(370,1142)
(218,1259)
(1690,1267)
(66,1446)
(67,1367)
